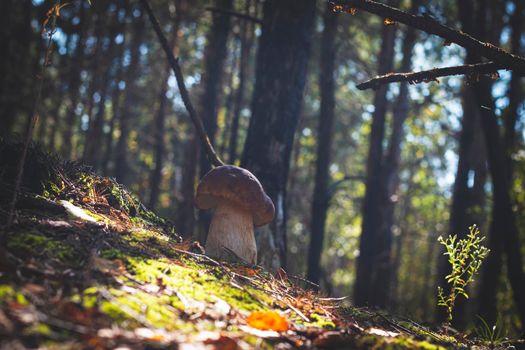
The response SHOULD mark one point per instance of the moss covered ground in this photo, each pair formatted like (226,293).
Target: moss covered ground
(87,266)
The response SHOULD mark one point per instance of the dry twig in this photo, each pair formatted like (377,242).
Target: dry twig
(174,64)
(501,59)
(431,75)
(431,26)
(234,14)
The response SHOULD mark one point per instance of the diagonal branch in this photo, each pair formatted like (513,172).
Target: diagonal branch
(431,26)
(431,75)
(174,63)
(332,189)
(234,14)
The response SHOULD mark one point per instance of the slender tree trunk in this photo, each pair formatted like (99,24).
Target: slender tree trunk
(20,63)
(229,100)
(214,56)
(246,37)
(127,114)
(100,57)
(515,91)
(94,135)
(6,42)
(282,59)
(368,259)
(381,286)
(75,83)
(185,217)
(503,215)
(116,98)
(460,220)
(324,144)
(504,219)
(396,299)
(160,118)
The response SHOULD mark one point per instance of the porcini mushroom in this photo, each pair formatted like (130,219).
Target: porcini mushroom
(240,204)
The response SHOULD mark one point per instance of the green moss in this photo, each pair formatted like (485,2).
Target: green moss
(31,243)
(141,234)
(131,308)
(195,283)
(393,343)
(121,199)
(423,332)
(52,189)
(319,321)
(112,254)
(38,329)
(95,216)
(8,294)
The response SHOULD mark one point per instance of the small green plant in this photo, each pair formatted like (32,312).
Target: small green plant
(465,257)
(493,336)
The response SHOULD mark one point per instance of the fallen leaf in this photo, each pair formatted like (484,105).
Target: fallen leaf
(331,339)
(381,332)
(267,320)
(388,21)
(259,333)
(223,343)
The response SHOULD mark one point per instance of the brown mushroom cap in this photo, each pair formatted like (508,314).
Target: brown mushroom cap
(239,186)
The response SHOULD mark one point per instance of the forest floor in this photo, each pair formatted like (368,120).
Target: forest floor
(87,266)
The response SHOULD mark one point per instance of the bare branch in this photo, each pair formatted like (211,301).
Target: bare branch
(332,189)
(431,26)
(174,64)
(234,14)
(431,75)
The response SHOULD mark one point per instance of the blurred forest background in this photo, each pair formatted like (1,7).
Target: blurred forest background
(363,181)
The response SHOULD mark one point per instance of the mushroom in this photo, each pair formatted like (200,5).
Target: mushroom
(240,204)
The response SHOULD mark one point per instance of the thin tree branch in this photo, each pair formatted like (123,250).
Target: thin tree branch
(234,14)
(332,189)
(52,15)
(174,64)
(431,75)
(431,26)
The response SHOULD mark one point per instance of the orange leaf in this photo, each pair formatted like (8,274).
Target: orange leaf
(352,11)
(388,21)
(267,320)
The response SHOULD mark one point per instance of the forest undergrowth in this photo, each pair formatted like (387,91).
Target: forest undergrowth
(87,266)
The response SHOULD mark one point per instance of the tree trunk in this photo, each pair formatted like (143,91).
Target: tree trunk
(324,144)
(160,118)
(75,83)
(381,284)
(127,113)
(19,62)
(94,133)
(116,97)
(469,148)
(284,49)
(504,220)
(185,217)
(59,96)
(371,226)
(214,56)
(229,100)
(246,37)
(6,43)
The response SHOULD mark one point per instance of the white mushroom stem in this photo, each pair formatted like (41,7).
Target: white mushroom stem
(231,228)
